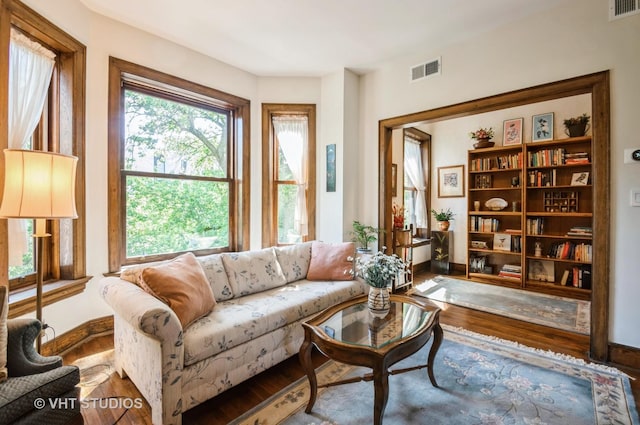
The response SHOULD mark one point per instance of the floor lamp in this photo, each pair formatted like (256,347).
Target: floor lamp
(41,186)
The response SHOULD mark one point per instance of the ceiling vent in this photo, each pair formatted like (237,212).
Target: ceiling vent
(425,70)
(622,8)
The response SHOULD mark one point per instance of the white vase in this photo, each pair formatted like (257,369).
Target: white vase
(379,301)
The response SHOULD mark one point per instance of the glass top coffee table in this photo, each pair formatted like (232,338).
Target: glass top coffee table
(350,333)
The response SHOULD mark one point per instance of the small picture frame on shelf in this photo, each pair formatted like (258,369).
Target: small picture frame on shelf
(451,181)
(542,127)
(541,270)
(512,132)
(478,264)
(502,242)
(580,179)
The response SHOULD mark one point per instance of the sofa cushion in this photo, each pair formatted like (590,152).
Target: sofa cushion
(253,271)
(331,261)
(294,260)
(239,320)
(182,285)
(214,270)
(3,332)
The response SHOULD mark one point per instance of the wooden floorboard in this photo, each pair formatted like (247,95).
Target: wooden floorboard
(235,401)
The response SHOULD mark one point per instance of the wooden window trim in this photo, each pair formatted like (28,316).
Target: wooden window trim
(269,168)
(67,135)
(424,139)
(238,169)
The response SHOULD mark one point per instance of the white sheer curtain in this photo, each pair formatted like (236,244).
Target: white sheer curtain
(415,173)
(293,136)
(30,69)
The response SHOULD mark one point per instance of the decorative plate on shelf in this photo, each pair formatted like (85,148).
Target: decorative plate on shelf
(496,204)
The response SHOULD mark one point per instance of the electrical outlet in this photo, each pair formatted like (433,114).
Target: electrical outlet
(632,156)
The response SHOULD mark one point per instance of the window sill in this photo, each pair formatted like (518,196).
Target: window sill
(23,301)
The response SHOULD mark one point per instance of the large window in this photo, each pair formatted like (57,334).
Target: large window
(288,178)
(54,123)
(176,158)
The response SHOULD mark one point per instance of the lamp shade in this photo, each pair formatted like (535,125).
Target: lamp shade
(38,184)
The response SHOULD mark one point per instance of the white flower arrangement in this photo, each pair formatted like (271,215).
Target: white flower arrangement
(379,269)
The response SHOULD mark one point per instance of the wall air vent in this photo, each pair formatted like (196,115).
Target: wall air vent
(425,70)
(622,8)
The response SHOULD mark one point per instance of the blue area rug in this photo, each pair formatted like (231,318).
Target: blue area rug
(481,380)
(548,310)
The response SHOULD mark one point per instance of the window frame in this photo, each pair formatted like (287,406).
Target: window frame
(424,139)
(270,168)
(66,134)
(174,88)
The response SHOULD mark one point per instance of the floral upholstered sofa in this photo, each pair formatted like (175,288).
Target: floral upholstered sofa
(251,322)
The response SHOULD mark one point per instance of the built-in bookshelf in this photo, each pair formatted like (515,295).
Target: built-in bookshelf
(536,230)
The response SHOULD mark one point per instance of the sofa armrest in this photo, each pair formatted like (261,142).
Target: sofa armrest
(142,310)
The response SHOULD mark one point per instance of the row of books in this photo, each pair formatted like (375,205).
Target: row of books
(571,251)
(535,226)
(501,162)
(580,231)
(511,270)
(553,157)
(576,158)
(542,178)
(546,157)
(483,224)
(578,277)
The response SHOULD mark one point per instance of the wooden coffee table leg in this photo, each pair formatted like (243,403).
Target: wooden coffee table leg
(305,358)
(437,340)
(381,388)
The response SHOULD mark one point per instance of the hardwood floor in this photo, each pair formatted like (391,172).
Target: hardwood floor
(232,403)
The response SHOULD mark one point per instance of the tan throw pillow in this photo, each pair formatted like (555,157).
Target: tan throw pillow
(331,261)
(182,285)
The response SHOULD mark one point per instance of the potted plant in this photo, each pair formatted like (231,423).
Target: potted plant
(443,218)
(483,136)
(577,126)
(363,235)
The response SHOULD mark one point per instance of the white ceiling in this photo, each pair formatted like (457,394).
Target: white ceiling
(315,37)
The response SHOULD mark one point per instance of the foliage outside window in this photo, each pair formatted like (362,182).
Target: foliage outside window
(178,164)
(176,176)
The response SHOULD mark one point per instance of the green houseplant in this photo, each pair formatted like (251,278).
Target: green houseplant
(363,235)
(443,218)
(577,126)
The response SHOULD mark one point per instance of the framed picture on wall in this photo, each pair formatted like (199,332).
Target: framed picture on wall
(451,181)
(512,132)
(542,125)
(331,167)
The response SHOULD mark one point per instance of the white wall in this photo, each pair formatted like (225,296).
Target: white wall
(574,39)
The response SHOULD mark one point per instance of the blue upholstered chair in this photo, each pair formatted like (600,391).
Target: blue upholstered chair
(28,377)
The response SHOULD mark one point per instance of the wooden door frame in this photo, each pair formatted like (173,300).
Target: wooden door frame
(597,85)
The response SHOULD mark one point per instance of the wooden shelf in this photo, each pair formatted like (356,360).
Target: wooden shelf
(532,202)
